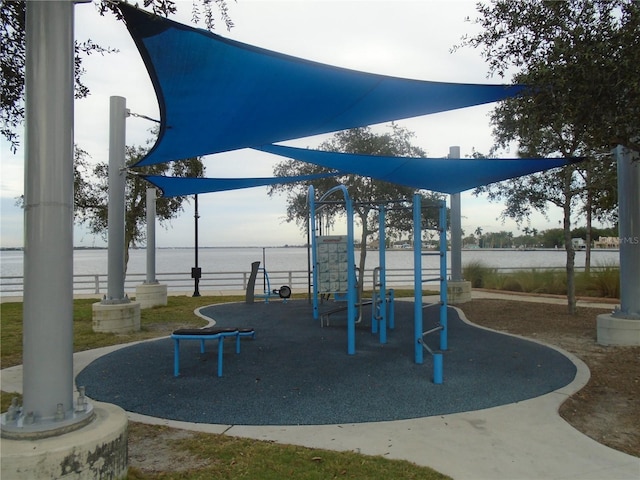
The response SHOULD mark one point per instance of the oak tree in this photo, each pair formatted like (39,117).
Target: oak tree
(581,62)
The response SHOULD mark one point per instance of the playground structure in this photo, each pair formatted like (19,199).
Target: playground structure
(419,331)
(334,273)
(204,334)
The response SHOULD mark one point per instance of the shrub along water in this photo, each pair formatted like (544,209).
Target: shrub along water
(602,281)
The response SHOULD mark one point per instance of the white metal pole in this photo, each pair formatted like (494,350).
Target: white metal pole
(456,228)
(151,236)
(116,211)
(48,213)
(629,230)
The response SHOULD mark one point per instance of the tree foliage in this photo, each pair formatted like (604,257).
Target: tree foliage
(12,53)
(92,196)
(582,59)
(581,62)
(365,192)
(91,183)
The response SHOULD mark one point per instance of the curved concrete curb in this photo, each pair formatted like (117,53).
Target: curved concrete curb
(527,440)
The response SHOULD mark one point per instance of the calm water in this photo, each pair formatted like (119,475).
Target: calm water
(286,259)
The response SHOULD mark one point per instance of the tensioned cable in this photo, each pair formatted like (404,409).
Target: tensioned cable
(139,115)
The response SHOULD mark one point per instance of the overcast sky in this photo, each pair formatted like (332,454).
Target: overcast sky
(409,39)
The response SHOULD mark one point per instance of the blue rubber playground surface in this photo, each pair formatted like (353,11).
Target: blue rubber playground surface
(296,372)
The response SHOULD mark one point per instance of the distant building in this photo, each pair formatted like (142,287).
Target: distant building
(578,243)
(607,242)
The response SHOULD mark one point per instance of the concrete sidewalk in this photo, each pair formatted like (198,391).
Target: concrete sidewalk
(526,440)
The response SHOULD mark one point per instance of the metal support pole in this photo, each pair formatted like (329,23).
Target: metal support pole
(417,279)
(151,236)
(195,273)
(116,210)
(264,269)
(351,276)
(456,228)
(442,224)
(48,215)
(629,231)
(383,276)
(311,200)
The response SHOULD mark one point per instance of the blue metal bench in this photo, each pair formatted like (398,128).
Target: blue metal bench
(204,334)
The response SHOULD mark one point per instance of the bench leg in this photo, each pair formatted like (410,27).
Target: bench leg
(176,357)
(251,334)
(220,352)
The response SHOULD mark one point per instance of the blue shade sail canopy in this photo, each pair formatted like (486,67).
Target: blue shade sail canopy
(218,95)
(181,186)
(436,174)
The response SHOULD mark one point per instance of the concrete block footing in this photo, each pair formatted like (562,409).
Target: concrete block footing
(116,317)
(618,331)
(150,295)
(458,291)
(95,451)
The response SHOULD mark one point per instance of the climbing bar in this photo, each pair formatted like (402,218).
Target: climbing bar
(425,346)
(434,329)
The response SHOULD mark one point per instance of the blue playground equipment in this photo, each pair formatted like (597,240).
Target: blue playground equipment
(382,311)
(204,334)
(341,267)
(419,332)
(337,276)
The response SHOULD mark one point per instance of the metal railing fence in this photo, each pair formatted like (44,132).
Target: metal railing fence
(297,280)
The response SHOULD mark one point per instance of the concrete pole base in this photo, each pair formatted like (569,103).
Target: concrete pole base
(96,451)
(116,317)
(458,291)
(150,295)
(618,331)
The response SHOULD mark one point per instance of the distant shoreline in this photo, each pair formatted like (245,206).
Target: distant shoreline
(20,249)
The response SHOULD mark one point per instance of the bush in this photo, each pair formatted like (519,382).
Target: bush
(478,274)
(542,281)
(603,281)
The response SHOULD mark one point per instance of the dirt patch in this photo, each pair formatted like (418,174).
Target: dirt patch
(152,449)
(606,409)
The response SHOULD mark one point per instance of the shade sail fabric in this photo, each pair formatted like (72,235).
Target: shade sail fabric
(436,174)
(181,186)
(217,94)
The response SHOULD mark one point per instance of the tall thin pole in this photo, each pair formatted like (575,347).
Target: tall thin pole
(48,259)
(151,236)
(418,354)
(629,228)
(196,270)
(116,208)
(264,270)
(456,228)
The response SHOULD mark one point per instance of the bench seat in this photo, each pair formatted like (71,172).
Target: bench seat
(204,334)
